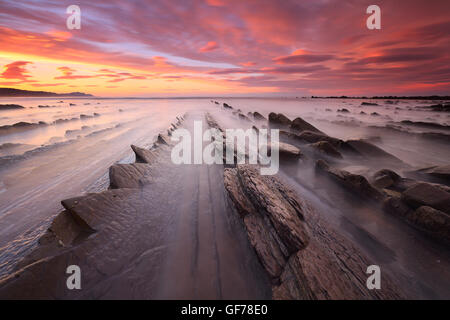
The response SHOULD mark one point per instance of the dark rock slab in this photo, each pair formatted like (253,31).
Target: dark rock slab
(357,184)
(434,221)
(371,151)
(258,116)
(301,125)
(243,117)
(440,172)
(145,155)
(426,194)
(287,151)
(10,107)
(305,258)
(327,148)
(385,178)
(309,137)
(133,175)
(279,119)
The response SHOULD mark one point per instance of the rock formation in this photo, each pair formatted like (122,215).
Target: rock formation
(304,257)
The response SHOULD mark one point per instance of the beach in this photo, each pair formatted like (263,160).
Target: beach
(185,236)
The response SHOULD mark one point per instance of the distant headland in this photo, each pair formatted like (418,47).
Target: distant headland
(11,92)
(389,97)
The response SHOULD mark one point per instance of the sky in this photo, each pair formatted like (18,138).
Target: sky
(226,47)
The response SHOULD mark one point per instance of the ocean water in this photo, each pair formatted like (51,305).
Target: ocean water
(68,149)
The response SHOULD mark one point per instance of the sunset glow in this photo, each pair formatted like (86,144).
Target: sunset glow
(205,47)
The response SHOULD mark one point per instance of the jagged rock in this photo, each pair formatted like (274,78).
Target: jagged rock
(258,116)
(371,151)
(439,107)
(133,175)
(287,151)
(436,222)
(144,155)
(441,172)
(279,119)
(426,194)
(67,230)
(305,258)
(243,117)
(227,106)
(429,220)
(385,178)
(343,110)
(395,206)
(309,137)
(354,182)
(212,123)
(423,124)
(301,125)
(327,148)
(82,208)
(267,209)
(369,104)
(390,181)
(163,139)
(10,106)
(117,240)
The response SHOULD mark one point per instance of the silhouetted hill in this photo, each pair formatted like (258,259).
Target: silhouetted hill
(11,92)
(389,97)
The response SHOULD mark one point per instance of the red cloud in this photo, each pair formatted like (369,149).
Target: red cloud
(16,70)
(303,58)
(210,46)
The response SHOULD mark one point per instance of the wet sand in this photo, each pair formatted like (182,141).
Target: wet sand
(179,237)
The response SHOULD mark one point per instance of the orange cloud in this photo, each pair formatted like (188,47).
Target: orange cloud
(68,74)
(59,35)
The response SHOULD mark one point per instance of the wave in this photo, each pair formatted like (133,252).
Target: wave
(24,126)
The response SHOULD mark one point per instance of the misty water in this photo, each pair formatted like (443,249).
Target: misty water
(68,150)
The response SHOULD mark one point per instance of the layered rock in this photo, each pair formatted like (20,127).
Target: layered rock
(310,137)
(144,155)
(304,257)
(279,120)
(370,151)
(425,194)
(258,116)
(133,175)
(423,205)
(97,232)
(301,125)
(441,173)
(287,151)
(326,148)
(353,182)
(10,106)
